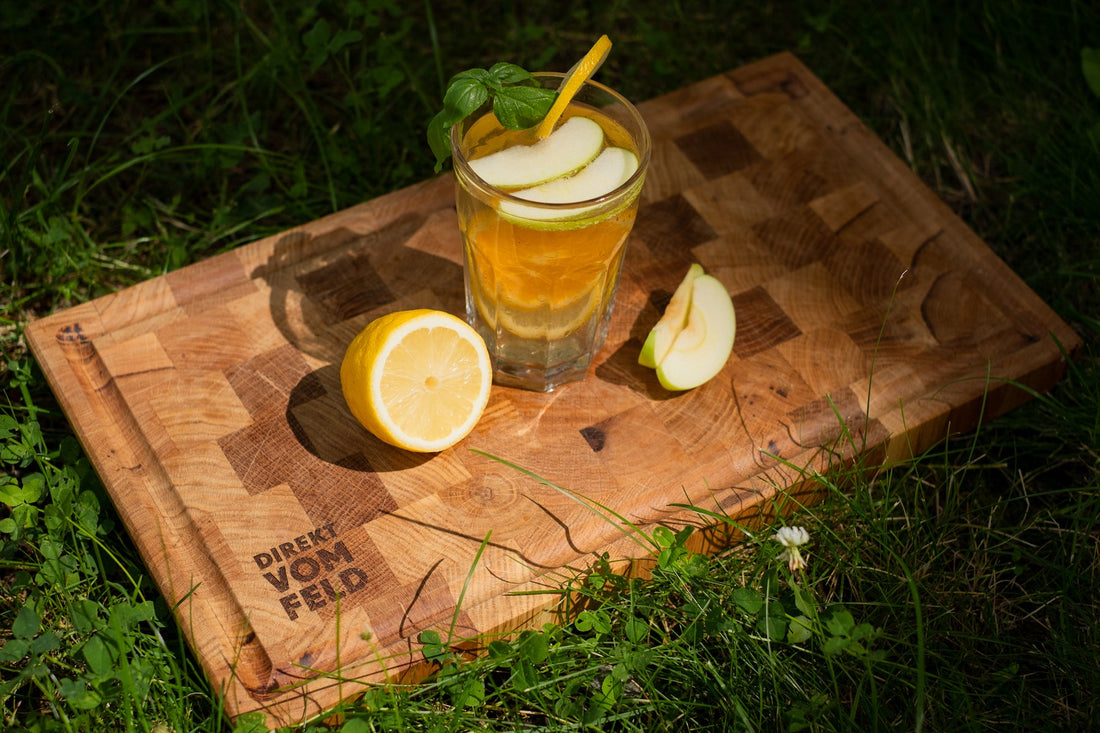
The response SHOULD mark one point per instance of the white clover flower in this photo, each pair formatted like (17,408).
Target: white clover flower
(792,538)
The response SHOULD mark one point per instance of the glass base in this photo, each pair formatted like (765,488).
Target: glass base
(539,379)
(539,364)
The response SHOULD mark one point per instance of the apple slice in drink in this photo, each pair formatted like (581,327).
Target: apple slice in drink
(611,169)
(566,150)
(690,346)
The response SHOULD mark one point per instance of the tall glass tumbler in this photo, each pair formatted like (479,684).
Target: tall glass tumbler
(541,277)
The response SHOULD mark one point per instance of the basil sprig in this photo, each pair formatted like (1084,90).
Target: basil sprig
(518,103)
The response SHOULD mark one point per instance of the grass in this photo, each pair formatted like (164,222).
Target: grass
(959,591)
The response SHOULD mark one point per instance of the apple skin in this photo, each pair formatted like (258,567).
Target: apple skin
(703,346)
(674,319)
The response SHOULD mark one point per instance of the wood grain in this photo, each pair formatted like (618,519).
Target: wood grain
(297,545)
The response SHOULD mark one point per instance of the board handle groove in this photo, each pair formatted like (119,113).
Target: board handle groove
(175,528)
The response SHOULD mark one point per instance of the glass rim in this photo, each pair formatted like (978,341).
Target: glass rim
(642,139)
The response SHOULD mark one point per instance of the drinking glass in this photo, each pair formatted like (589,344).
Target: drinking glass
(540,278)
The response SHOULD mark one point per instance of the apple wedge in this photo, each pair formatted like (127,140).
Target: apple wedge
(566,150)
(675,318)
(694,343)
(611,169)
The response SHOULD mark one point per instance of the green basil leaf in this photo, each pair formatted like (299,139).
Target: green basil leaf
(438,141)
(462,98)
(507,73)
(518,108)
(480,76)
(517,102)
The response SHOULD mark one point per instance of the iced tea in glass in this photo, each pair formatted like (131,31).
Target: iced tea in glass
(541,276)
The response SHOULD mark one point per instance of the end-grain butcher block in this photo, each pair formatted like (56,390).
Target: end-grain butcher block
(298,549)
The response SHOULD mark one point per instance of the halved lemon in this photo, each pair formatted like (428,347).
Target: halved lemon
(417,379)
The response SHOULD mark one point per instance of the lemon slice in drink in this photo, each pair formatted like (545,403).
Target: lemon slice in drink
(534,320)
(535,301)
(581,72)
(417,379)
(539,323)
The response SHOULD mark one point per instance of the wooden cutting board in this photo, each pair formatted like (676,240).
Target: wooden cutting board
(871,323)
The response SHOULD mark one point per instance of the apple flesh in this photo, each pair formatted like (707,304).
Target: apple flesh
(566,150)
(675,317)
(690,346)
(611,169)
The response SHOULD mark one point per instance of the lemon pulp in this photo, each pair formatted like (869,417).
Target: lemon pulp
(417,379)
